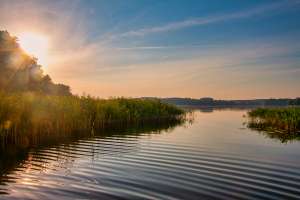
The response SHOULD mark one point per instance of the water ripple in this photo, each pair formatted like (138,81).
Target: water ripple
(151,167)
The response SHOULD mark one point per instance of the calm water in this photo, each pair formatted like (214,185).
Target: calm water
(216,157)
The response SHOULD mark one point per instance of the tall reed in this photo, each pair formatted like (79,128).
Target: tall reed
(27,118)
(286,119)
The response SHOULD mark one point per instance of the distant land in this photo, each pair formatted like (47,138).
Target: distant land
(210,102)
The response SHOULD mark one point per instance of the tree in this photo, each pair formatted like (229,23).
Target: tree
(20,72)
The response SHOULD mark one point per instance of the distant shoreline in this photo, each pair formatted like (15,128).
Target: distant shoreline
(210,102)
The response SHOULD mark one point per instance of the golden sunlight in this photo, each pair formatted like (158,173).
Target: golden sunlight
(36,45)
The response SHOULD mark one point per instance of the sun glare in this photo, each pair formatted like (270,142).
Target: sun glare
(36,45)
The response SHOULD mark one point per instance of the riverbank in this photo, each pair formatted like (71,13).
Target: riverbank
(283,119)
(29,118)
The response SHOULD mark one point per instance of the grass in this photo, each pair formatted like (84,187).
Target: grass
(285,119)
(28,118)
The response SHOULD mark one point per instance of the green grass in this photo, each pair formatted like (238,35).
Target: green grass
(28,118)
(284,119)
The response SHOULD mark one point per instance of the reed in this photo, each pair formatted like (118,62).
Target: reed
(28,118)
(286,119)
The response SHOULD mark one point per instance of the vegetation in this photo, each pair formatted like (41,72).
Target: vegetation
(34,109)
(285,119)
(28,118)
(295,102)
(20,72)
(210,102)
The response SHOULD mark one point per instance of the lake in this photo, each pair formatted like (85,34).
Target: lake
(214,157)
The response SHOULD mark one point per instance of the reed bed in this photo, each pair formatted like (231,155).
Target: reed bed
(285,119)
(28,118)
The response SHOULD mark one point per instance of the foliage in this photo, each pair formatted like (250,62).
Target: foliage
(26,118)
(286,119)
(210,102)
(20,72)
(295,102)
(33,108)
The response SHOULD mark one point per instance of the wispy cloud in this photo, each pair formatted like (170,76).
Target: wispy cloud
(127,67)
(163,47)
(209,20)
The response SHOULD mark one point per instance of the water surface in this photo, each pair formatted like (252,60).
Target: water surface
(215,157)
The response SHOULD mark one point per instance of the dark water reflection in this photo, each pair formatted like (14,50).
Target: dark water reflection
(216,157)
(277,135)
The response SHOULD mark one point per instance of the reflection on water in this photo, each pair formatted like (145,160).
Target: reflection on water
(209,109)
(215,157)
(281,136)
(12,158)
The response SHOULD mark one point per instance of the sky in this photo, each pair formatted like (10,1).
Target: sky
(166,48)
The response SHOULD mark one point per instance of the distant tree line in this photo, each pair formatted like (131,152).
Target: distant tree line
(295,102)
(20,72)
(208,101)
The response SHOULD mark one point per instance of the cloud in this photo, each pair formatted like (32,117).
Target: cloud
(208,20)
(101,66)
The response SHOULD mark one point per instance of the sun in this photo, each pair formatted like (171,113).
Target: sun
(36,45)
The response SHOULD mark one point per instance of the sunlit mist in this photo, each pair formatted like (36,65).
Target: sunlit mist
(35,44)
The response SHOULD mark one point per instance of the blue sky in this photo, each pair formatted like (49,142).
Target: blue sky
(224,49)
